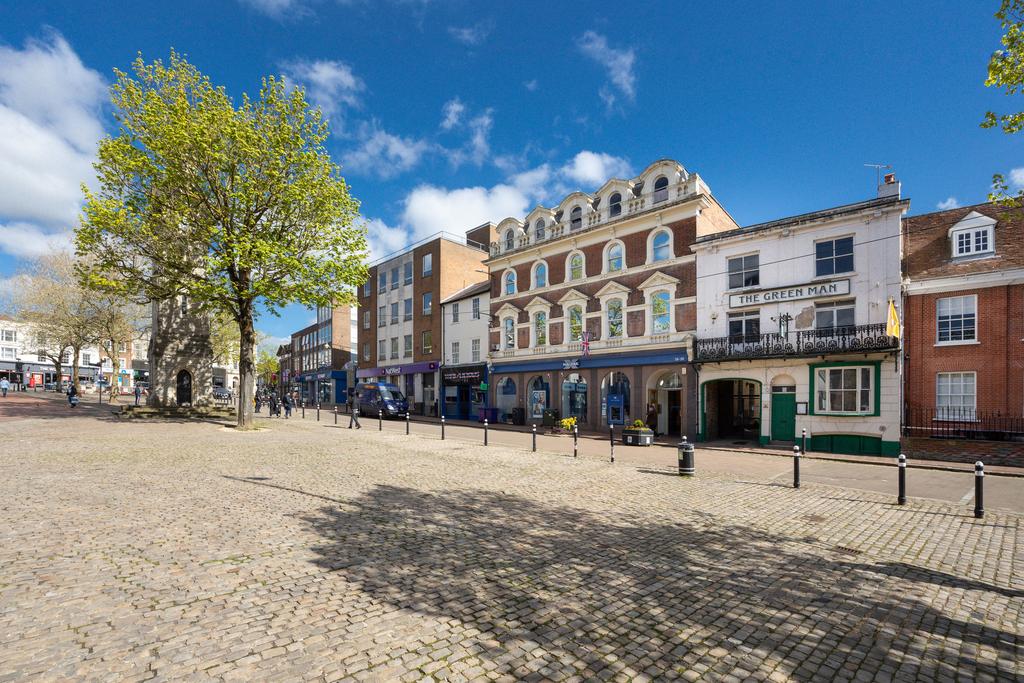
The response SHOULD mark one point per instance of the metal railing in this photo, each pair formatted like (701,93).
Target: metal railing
(962,423)
(846,339)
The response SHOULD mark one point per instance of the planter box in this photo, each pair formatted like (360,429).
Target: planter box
(634,436)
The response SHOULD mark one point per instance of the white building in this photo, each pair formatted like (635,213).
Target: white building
(791,326)
(465,322)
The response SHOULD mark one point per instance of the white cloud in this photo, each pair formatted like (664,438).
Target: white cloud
(274,8)
(594,168)
(50,124)
(471,35)
(1017,177)
(948,203)
(478,148)
(385,155)
(618,63)
(430,209)
(384,239)
(27,241)
(530,85)
(453,110)
(331,84)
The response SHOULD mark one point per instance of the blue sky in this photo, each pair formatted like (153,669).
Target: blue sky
(446,113)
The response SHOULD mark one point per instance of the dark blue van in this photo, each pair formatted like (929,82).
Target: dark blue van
(383,397)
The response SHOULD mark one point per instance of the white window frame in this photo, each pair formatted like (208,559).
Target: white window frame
(670,313)
(407,346)
(407,309)
(742,258)
(963,412)
(568,321)
(394,348)
(407,273)
(606,323)
(475,351)
(650,245)
(425,336)
(824,386)
(455,312)
(504,283)
(939,341)
(833,240)
(456,347)
(382,349)
(505,338)
(427,303)
(476,308)
(394,313)
(427,265)
(972,235)
(533,274)
(605,257)
(534,342)
(366,320)
(568,266)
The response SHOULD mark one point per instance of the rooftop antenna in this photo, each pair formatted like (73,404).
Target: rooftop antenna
(878,171)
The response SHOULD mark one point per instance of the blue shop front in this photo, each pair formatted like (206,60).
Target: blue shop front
(657,387)
(323,386)
(464,388)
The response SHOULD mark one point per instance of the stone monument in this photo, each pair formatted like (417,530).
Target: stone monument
(180,356)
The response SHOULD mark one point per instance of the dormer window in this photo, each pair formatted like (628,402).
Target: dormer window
(973,241)
(510,240)
(973,235)
(615,205)
(538,230)
(576,218)
(660,189)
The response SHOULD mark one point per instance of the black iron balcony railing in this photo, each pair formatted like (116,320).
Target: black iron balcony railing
(846,339)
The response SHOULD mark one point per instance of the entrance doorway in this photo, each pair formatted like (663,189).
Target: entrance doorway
(732,409)
(184,388)
(574,397)
(664,403)
(783,413)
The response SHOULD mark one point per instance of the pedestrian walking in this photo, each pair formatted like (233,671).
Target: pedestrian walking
(353,409)
(287,402)
(72,394)
(259,402)
(138,393)
(5,385)
(275,407)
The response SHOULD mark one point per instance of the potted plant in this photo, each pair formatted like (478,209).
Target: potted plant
(638,434)
(564,426)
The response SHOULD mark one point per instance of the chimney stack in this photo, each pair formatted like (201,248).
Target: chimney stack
(890,187)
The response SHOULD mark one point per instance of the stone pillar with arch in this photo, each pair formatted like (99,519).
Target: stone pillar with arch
(180,356)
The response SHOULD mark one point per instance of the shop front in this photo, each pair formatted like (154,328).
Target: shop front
(599,390)
(418,381)
(324,386)
(464,388)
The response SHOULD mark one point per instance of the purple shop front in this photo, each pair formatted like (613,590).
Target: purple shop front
(393,370)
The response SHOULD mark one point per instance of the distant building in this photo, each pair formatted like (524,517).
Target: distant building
(964,285)
(400,321)
(464,375)
(316,362)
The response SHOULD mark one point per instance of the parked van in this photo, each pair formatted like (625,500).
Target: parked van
(383,397)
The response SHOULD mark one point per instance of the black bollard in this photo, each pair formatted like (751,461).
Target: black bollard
(611,441)
(796,467)
(485,431)
(901,499)
(534,438)
(979,489)
(442,428)
(318,411)
(803,440)
(575,440)
(303,409)
(686,465)
(335,414)
(380,420)
(407,423)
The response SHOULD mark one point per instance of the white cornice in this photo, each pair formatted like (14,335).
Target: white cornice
(952,283)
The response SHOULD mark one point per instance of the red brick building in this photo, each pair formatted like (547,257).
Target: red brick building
(964,324)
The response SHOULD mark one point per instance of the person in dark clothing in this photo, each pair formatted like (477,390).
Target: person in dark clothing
(138,394)
(353,410)
(72,395)
(286,401)
(274,406)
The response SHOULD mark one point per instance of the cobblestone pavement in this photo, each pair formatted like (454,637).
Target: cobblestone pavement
(154,551)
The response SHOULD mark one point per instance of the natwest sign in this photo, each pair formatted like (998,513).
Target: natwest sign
(814,290)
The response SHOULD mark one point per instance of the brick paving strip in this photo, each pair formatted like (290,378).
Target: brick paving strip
(151,551)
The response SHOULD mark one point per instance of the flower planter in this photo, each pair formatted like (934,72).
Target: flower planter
(637,436)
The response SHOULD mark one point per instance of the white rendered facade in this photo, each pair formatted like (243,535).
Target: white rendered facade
(791,318)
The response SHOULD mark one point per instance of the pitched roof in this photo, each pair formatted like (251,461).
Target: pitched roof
(475,288)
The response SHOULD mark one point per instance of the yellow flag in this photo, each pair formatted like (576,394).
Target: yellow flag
(892,321)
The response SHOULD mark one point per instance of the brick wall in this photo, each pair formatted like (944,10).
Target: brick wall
(959,450)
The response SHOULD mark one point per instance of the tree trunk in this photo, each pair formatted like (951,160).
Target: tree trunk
(60,374)
(246,368)
(75,351)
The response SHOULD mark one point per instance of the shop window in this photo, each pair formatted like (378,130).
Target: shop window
(844,390)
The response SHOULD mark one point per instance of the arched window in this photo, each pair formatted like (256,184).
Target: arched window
(660,318)
(660,250)
(575,323)
(510,283)
(576,267)
(614,258)
(614,319)
(538,230)
(540,276)
(576,218)
(510,240)
(540,328)
(615,204)
(660,189)
(508,326)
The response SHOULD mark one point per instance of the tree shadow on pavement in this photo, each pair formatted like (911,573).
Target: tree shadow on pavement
(566,590)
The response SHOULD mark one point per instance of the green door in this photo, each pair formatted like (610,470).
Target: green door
(783,416)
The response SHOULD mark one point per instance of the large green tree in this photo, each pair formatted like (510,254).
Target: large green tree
(237,207)
(1006,71)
